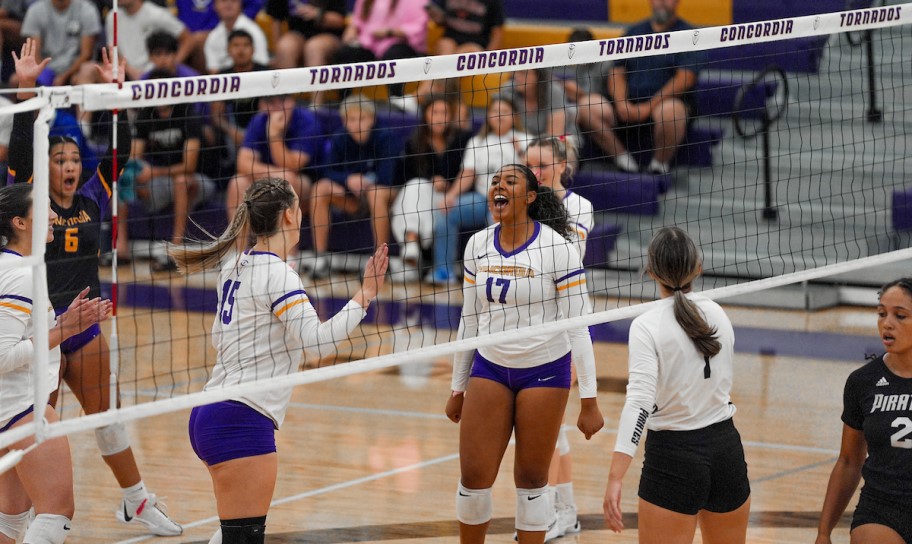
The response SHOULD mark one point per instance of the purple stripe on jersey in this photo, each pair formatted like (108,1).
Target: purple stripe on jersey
(11,252)
(521,248)
(252,252)
(570,275)
(97,190)
(286,296)
(469,272)
(17,297)
(566,194)
(580,225)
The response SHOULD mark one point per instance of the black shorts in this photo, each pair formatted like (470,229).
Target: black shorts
(689,471)
(874,508)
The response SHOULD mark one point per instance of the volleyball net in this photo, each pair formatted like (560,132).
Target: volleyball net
(783,174)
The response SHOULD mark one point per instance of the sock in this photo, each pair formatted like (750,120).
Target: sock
(47,529)
(216,537)
(134,496)
(565,494)
(555,497)
(244,530)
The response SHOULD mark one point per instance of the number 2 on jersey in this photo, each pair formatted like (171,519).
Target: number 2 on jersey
(228,291)
(503,291)
(898,439)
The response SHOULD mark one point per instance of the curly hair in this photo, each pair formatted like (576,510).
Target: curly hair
(546,208)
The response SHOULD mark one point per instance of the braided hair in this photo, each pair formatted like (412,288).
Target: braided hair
(258,215)
(546,208)
(673,260)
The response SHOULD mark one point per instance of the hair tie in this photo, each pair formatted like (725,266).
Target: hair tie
(677,288)
(247,203)
(562,137)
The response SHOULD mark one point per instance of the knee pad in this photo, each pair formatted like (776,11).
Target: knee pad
(534,509)
(474,506)
(563,443)
(244,530)
(13,525)
(112,439)
(47,529)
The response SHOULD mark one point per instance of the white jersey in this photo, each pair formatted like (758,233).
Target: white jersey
(671,385)
(536,283)
(581,219)
(17,349)
(263,323)
(485,155)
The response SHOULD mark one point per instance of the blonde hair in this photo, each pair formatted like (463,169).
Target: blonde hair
(675,262)
(564,150)
(258,214)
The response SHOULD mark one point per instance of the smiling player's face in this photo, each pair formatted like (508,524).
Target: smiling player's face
(894,321)
(65,170)
(509,196)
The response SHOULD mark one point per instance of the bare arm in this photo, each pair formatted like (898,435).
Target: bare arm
(86,47)
(185,46)
(496,38)
(843,481)
(249,163)
(683,81)
(557,122)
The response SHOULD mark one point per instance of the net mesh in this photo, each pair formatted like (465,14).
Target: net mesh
(780,176)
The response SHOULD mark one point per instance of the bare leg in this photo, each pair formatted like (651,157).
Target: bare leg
(875,534)
(660,526)
(289,51)
(46,473)
(730,527)
(244,487)
(596,118)
(670,118)
(327,193)
(180,191)
(379,199)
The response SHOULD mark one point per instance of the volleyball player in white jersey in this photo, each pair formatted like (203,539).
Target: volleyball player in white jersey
(552,159)
(263,322)
(43,479)
(680,363)
(519,272)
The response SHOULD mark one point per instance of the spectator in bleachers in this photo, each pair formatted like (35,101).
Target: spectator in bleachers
(468,25)
(66,31)
(232,117)
(384,30)
(200,18)
(284,141)
(587,87)
(541,103)
(231,18)
(12,12)
(162,49)
(430,163)
(314,31)
(656,89)
(168,143)
(465,207)
(359,178)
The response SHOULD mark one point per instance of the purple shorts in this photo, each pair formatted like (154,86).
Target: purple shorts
(16,418)
(230,430)
(78,341)
(553,374)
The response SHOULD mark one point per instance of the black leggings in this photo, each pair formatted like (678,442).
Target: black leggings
(348,54)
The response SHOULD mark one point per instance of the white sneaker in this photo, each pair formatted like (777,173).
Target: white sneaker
(658,168)
(151,516)
(627,163)
(567,520)
(411,253)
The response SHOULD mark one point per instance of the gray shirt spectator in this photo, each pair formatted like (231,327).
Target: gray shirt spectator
(62,27)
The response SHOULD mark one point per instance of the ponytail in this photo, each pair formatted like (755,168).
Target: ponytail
(675,262)
(258,215)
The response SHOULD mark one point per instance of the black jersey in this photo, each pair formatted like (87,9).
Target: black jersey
(879,403)
(72,258)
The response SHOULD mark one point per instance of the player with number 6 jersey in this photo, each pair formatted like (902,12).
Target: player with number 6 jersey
(877,434)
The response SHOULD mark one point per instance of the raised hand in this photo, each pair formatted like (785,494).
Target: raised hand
(27,66)
(375,273)
(106,68)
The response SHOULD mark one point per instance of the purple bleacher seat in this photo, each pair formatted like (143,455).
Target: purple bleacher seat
(902,209)
(801,55)
(565,10)
(745,11)
(716,94)
(619,192)
(600,244)
(209,215)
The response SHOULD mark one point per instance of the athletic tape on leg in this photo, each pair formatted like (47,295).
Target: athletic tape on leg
(474,506)
(112,439)
(534,509)
(13,525)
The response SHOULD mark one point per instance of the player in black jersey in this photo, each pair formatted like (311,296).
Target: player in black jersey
(72,265)
(877,435)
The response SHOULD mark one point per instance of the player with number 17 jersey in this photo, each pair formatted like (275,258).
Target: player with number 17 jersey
(537,283)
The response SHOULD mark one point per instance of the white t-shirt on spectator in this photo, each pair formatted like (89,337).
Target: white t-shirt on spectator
(216,47)
(487,154)
(134,29)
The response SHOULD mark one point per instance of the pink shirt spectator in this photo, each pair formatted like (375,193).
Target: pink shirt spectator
(408,16)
